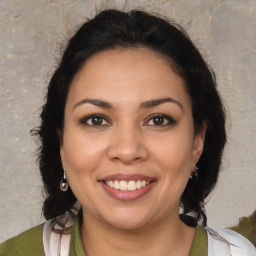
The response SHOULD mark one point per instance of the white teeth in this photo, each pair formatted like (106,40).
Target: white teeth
(123,185)
(116,184)
(131,185)
(127,185)
(138,184)
(111,184)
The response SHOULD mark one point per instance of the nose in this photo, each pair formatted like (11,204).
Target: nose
(128,146)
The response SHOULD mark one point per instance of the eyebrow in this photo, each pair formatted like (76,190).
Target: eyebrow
(143,105)
(96,102)
(156,102)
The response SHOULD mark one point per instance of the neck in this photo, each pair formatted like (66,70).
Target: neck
(169,237)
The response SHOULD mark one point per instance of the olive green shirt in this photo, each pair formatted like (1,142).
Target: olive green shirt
(30,243)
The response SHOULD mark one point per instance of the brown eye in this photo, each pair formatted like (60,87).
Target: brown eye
(94,120)
(158,120)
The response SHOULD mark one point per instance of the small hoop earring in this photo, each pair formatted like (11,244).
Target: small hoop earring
(194,173)
(64,182)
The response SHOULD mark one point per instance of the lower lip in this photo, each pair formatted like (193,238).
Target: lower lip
(127,195)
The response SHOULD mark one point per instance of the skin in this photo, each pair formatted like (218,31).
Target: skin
(130,140)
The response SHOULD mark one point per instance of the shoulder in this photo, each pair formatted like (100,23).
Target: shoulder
(27,243)
(230,241)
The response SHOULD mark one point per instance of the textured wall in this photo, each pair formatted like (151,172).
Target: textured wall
(32,33)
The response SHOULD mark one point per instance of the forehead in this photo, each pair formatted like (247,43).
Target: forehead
(134,74)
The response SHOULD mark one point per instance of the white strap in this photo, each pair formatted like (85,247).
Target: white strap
(217,247)
(235,245)
(55,244)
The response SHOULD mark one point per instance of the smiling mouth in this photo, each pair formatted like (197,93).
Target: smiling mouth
(124,185)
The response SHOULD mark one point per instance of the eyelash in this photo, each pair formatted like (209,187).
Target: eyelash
(87,118)
(170,120)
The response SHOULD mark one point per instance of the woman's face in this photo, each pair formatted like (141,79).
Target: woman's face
(128,141)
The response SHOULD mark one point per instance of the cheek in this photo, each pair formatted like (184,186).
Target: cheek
(81,154)
(174,152)
(174,160)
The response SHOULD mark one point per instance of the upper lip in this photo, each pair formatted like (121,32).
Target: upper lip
(127,177)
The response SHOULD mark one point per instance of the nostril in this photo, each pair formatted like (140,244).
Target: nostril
(127,149)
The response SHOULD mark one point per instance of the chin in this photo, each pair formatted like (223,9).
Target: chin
(128,220)
(129,226)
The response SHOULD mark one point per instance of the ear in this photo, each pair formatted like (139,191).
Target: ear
(61,153)
(61,145)
(199,143)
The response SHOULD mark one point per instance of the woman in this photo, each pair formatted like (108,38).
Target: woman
(134,129)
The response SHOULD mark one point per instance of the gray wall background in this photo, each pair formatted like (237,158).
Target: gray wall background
(32,33)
